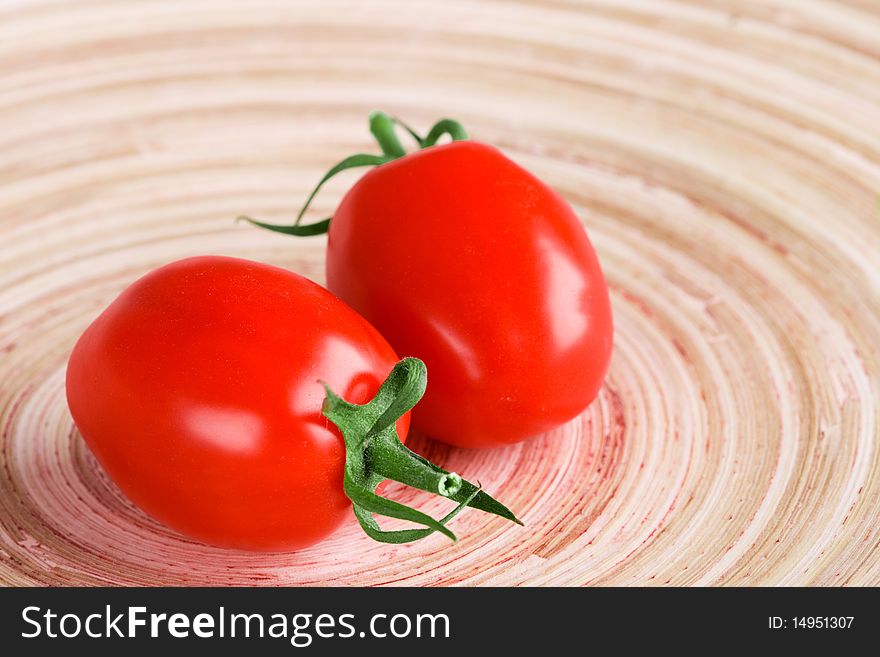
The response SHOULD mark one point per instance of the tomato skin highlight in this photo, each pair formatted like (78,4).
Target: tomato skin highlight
(197,390)
(464,259)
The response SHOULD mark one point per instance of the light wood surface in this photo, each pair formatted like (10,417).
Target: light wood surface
(725,157)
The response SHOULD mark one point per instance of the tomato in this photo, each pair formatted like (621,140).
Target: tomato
(198,391)
(464,259)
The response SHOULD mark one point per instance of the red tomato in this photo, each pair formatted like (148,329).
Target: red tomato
(197,390)
(464,259)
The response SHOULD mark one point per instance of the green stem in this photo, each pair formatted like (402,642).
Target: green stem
(384,129)
(374,453)
(393,460)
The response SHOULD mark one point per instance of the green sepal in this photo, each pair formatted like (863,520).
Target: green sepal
(374,453)
(382,127)
(321,227)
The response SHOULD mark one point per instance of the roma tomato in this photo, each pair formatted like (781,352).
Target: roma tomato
(197,390)
(464,259)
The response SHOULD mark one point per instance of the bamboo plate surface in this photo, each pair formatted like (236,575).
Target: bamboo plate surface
(725,157)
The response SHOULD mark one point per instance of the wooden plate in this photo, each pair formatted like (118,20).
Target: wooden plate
(725,157)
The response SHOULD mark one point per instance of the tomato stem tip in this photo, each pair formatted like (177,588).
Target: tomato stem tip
(449,485)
